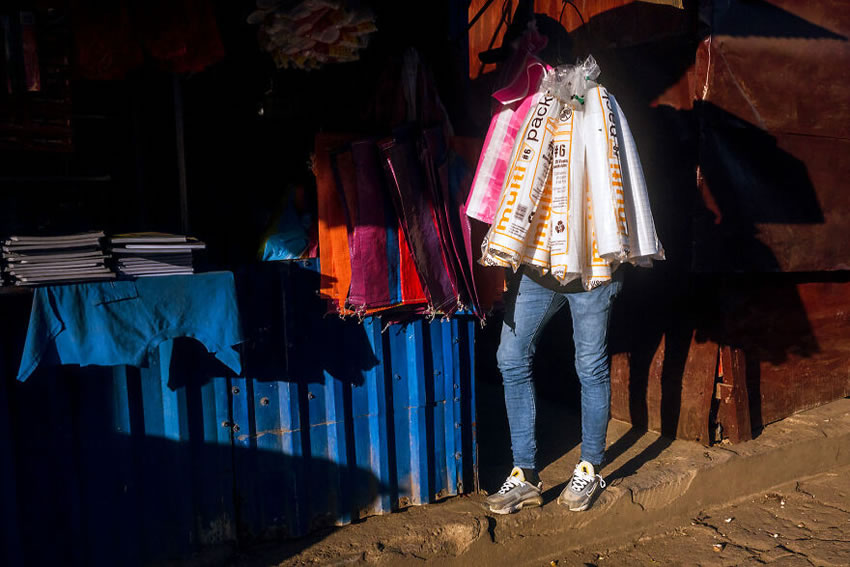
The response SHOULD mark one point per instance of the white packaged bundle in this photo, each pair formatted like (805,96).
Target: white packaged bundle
(605,176)
(596,270)
(566,235)
(643,240)
(537,243)
(574,202)
(532,158)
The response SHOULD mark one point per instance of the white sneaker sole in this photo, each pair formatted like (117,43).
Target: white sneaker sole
(516,507)
(578,508)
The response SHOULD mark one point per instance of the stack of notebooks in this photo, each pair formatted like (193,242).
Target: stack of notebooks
(143,254)
(33,260)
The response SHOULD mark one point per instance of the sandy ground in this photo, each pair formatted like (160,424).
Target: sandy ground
(782,499)
(805,523)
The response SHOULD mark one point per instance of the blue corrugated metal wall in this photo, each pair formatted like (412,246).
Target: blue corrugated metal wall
(331,451)
(123,466)
(367,419)
(114,467)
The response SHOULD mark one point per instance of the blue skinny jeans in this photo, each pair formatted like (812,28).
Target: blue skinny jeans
(529,305)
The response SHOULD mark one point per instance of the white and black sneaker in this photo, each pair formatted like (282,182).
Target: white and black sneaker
(515,493)
(583,487)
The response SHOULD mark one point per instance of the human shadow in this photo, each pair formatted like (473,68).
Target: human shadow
(119,469)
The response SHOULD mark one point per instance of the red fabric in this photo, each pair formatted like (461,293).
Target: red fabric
(105,46)
(411,287)
(181,35)
(112,37)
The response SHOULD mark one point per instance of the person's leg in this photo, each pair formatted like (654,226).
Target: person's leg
(528,307)
(591,312)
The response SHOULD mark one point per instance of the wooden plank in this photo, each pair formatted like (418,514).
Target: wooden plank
(672,394)
(733,413)
(795,337)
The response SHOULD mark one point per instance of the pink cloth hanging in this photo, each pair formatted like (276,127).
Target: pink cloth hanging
(515,102)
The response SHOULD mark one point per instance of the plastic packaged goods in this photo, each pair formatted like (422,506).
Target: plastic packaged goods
(596,270)
(643,240)
(537,244)
(566,236)
(605,176)
(524,184)
(312,33)
(515,102)
(574,201)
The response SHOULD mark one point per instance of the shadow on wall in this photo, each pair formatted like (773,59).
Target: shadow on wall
(747,179)
(108,474)
(133,466)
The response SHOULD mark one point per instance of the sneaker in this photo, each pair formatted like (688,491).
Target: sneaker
(514,494)
(582,488)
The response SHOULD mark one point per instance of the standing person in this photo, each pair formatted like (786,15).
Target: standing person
(530,302)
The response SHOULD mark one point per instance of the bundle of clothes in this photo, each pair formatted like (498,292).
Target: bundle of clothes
(560,181)
(393,240)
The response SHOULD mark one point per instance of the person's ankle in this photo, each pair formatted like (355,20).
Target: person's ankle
(531,476)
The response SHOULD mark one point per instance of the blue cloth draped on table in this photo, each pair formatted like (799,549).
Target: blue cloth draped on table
(121,322)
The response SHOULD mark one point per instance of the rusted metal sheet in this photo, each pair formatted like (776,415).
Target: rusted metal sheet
(774,131)
(594,23)
(794,336)
(672,393)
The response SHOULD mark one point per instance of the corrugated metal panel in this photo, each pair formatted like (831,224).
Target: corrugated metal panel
(10,544)
(115,467)
(365,421)
(125,466)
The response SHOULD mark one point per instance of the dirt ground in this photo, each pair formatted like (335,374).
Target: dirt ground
(805,522)
(782,499)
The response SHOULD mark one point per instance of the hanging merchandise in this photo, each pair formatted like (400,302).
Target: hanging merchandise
(312,33)
(393,237)
(643,240)
(573,200)
(514,102)
(605,176)
(523,186)
(415,207)
(334,256)
(383,272)
(113,38)
(566,240)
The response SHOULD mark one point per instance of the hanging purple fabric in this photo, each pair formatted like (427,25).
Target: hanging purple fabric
(375,280)
(435,162)
(451,195)
(408,186)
